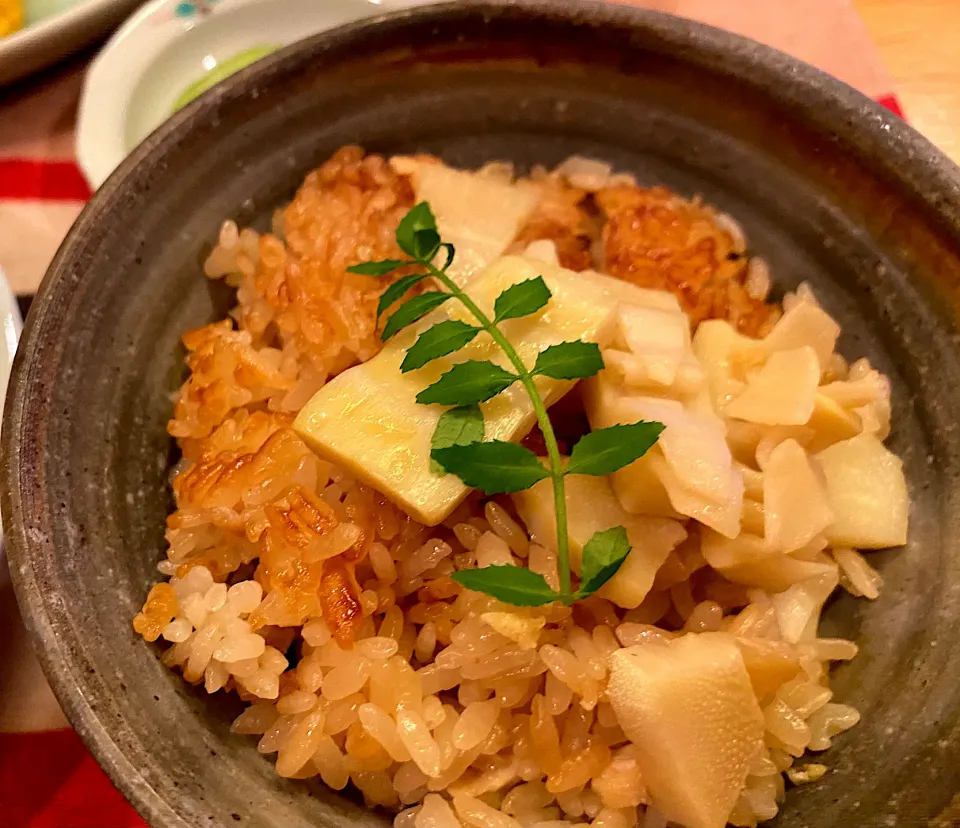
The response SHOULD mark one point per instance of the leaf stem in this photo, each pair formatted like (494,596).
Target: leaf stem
(543,420)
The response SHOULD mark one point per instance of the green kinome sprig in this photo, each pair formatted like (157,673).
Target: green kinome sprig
(494,466)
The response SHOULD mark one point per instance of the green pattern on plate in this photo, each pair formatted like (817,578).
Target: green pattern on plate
(220,71)
(36,10)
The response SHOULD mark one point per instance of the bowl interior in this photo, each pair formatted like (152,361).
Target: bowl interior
(828,188)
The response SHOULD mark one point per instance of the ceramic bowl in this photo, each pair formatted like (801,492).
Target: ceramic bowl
(829,187)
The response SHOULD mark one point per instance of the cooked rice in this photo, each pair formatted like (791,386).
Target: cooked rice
(332,613)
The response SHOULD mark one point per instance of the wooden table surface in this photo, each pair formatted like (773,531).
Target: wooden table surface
(919,43)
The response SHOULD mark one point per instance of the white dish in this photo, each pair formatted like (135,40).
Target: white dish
(10,328)
(135,82)
(55,28)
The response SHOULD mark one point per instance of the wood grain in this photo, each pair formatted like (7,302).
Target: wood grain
(919,42)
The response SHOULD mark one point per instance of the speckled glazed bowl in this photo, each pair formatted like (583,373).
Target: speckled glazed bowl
(830,188)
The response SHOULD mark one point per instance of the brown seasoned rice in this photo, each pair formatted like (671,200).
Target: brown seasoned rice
(332,613)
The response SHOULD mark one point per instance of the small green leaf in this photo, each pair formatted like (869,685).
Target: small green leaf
(442,339)
(411,311)
(466,383)
(521,299)
(376,268)
(569,360)
(456,427)
(426,243)
(495,467)
(603,555)
(396,290)
(417,233)
(608,449)
(451,250)
(510,584)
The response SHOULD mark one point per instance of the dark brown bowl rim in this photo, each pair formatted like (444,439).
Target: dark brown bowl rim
(884,141)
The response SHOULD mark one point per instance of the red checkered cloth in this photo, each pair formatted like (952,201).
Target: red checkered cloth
(47,779)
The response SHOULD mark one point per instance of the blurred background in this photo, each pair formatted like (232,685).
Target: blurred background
(82,81)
